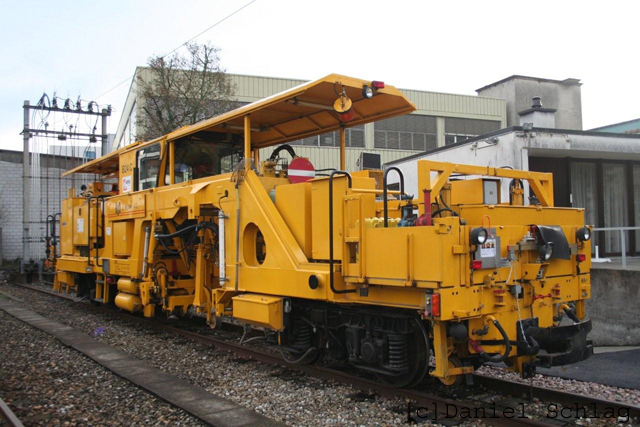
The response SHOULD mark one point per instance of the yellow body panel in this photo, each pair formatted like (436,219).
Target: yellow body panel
(122,237)
(260,310)
(294,204)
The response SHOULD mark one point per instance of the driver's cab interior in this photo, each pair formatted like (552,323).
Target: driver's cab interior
(192,157)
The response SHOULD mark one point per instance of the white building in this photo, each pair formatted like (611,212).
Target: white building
(598,171)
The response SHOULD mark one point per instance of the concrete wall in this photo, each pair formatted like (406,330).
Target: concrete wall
(47,193)
(613,307)
(565,96)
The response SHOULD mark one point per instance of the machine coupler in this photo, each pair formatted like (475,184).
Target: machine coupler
(562,345)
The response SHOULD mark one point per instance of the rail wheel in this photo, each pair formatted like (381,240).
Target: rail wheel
(418,360)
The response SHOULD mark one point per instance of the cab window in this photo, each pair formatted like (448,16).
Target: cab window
(196,159)
(148,167)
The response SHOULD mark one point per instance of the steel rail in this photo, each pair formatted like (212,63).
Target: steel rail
(423,399)
(7,414)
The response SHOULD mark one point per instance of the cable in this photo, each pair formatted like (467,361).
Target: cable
(191,39)
(300,359)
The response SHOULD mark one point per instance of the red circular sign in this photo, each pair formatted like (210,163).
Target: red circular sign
(301,170)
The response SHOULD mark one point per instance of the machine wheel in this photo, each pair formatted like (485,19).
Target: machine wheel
(418,360)
(454,362)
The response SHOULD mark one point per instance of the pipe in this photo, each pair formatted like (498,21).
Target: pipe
(145,260)
(237,237)
(331,279)
(222,262)
(384,191)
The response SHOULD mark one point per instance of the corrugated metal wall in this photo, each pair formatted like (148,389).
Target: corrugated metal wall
(328,157)
(253,88)
(250,88)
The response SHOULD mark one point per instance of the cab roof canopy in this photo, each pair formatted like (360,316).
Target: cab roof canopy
(300,112)
(105,165)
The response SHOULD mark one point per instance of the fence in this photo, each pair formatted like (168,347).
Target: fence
(623,240)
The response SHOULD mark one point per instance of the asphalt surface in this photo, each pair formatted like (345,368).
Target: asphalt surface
(616,368)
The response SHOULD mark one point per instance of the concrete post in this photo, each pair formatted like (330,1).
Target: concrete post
(369,135)
(26,186)
(440,142)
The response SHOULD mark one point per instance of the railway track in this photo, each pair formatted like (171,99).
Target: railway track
(7,417)
(427,404)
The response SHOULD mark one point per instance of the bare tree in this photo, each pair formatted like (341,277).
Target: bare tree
(183,90)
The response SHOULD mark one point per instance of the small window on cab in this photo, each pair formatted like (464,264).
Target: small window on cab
(148,167)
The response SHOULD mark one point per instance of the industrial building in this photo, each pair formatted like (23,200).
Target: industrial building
(441,119)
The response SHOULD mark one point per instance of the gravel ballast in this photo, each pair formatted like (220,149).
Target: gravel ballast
(276,392)
(46,383)
(279,393)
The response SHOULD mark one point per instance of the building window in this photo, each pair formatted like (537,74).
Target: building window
(412,132)
(614,204)
(584,193)
(457,129)
(636,202)
(354,138)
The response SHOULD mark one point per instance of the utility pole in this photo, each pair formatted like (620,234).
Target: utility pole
(26,186)
(62,135)
(105,114)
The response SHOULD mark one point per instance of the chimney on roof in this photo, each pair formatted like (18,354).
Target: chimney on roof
(538,116)
(536,102)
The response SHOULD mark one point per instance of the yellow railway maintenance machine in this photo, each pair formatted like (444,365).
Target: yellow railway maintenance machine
(336,267)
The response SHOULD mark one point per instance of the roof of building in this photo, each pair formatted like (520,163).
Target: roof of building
(539,109)
(509,130)
(618,124)
(568,82)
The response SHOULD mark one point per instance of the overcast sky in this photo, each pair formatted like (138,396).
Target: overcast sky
(86,48)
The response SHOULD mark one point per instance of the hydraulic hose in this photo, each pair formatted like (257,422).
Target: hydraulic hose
(570,313)
(289,149)
(177,233)
(199,225)
(497,358)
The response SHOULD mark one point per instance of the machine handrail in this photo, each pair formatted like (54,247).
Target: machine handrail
(384,191)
